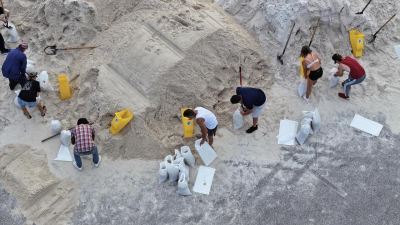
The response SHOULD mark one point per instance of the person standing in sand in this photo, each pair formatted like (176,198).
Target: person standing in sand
(356,73)
(254,100)
(311,62)
(82,136)
(14,67)
(28,94)
(207,122)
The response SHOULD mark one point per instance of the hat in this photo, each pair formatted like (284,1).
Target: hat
(23,45)
(32,74)
(335,57)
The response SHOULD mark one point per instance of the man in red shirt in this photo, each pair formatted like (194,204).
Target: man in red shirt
(356,73)
(82,136)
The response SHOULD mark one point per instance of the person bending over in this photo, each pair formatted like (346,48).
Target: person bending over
(207,122)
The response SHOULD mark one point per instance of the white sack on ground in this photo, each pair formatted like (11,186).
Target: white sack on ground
(30,68)
(307,121)
(13,33)
(308,114)
(183,187)
(237,120)
(316,122)
(55,126)
(172,169)
(66,137)
(334,80)
(302,89)
(187,155)
(183,168)
(303,133)
(177,154)
(43,79)
(177,161)
(162,173)
(16,102)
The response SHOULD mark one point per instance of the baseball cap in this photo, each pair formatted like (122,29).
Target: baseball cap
(335,57)
(32,74)
(23,45)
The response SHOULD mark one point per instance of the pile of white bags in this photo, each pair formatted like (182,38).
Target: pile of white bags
(175,167)
(310,124)
(43,79)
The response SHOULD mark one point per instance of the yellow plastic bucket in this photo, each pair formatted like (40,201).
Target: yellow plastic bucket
(65,92)
(120,120)
(187,125)
(357,42)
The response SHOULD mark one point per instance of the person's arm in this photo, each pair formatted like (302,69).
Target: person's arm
(22,69)
(72,137)
(341,69)
(93,133)
(203,128)
(37,88)
(247,112)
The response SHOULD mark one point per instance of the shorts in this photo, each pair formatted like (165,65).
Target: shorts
(23,103)
(212,131)
(258,110)
(316,74)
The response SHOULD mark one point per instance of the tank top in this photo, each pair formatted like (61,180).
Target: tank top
(356,70)
(209,117)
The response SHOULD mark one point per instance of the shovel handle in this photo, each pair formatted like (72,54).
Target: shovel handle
(72,48)
(315,30)
(384,24)
(365,7)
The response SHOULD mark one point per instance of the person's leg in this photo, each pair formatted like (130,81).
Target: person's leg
(255,120)
(78,159)
(210,140)
(309,85)
(2,47)
(12,83)
(22,80)
(40,107)
(95,155)
(346,85)
(26,113)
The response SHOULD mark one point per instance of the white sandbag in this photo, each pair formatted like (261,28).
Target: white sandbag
(30,62)
(334,80)
(177,154)
(43,79)
(162,173)
(237,120)
(179,160)
(183,187)
(302,89)
(187,155)
(30,68)
(16,102)
(307,121)
(308,114)
(183,168)
(13,33)
(172,169)
(66,137)
(303,133)
(316,122)
(55,126)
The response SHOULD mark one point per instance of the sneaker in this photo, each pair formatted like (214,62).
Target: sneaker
(76,166)
(342,95)
(305,98)
(98,163)
(251,129)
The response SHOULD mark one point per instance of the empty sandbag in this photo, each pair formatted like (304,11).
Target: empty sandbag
(66,137)
(316,121)
(334,80)
(162,173)
(237,120)
(303,133)
(172,169)
(55,126)
(13,33)
(183,187)
(43,79)
(302,89)
(187,155)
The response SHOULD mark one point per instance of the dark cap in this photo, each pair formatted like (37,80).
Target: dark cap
(32,74)
(335,57)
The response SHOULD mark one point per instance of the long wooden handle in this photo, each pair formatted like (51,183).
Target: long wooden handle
(72,48)
(385,24)
(315,30)
(366,5)
(287,42)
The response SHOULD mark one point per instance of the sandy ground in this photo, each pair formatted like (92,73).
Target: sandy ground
(158,56)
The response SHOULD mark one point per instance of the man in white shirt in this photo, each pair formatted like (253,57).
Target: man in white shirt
(207,122)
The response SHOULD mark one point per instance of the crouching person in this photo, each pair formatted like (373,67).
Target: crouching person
(28,96)
(82,136)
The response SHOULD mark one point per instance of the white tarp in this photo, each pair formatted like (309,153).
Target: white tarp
(287,132)
(64,154)
(205,151)
(204,180)
(366,125)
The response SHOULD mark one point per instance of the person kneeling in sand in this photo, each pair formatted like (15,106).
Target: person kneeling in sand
(28,94)
(254,100)
(311,62)
(82,136)
(207,122)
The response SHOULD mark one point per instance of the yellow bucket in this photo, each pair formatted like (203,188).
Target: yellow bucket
(357,42)
(187,125)
(120,120)
(65,92)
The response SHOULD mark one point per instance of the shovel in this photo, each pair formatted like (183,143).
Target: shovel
(287,42)
(362,12)
(315,30)
(374,36)
(53,49)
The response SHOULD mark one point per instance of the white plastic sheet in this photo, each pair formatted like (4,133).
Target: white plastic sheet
(204,180)
(366,125)
(287,132)
(206,153)
(64,154)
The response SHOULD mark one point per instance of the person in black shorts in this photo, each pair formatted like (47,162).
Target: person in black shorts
(311,62)
(28,96)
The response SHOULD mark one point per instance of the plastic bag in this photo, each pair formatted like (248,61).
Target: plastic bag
(13,33)
(316,122)
(16,102)
(334,80)
(302,89)
(307,121)
(177,154)
(303,133)
(308,114)
(30,68)
(187,155)
(66,137)
(237,120)
(162,173)
(43,79)
(183,187)
(183,168)
(172,169)
(55,126)
(30,62)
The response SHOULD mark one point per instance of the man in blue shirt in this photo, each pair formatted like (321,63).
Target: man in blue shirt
(254,100)
(14,67)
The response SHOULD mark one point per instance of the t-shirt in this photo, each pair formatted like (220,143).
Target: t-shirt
(209,118)
(251,96)
(29,91)
(356,70)
(83,135)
